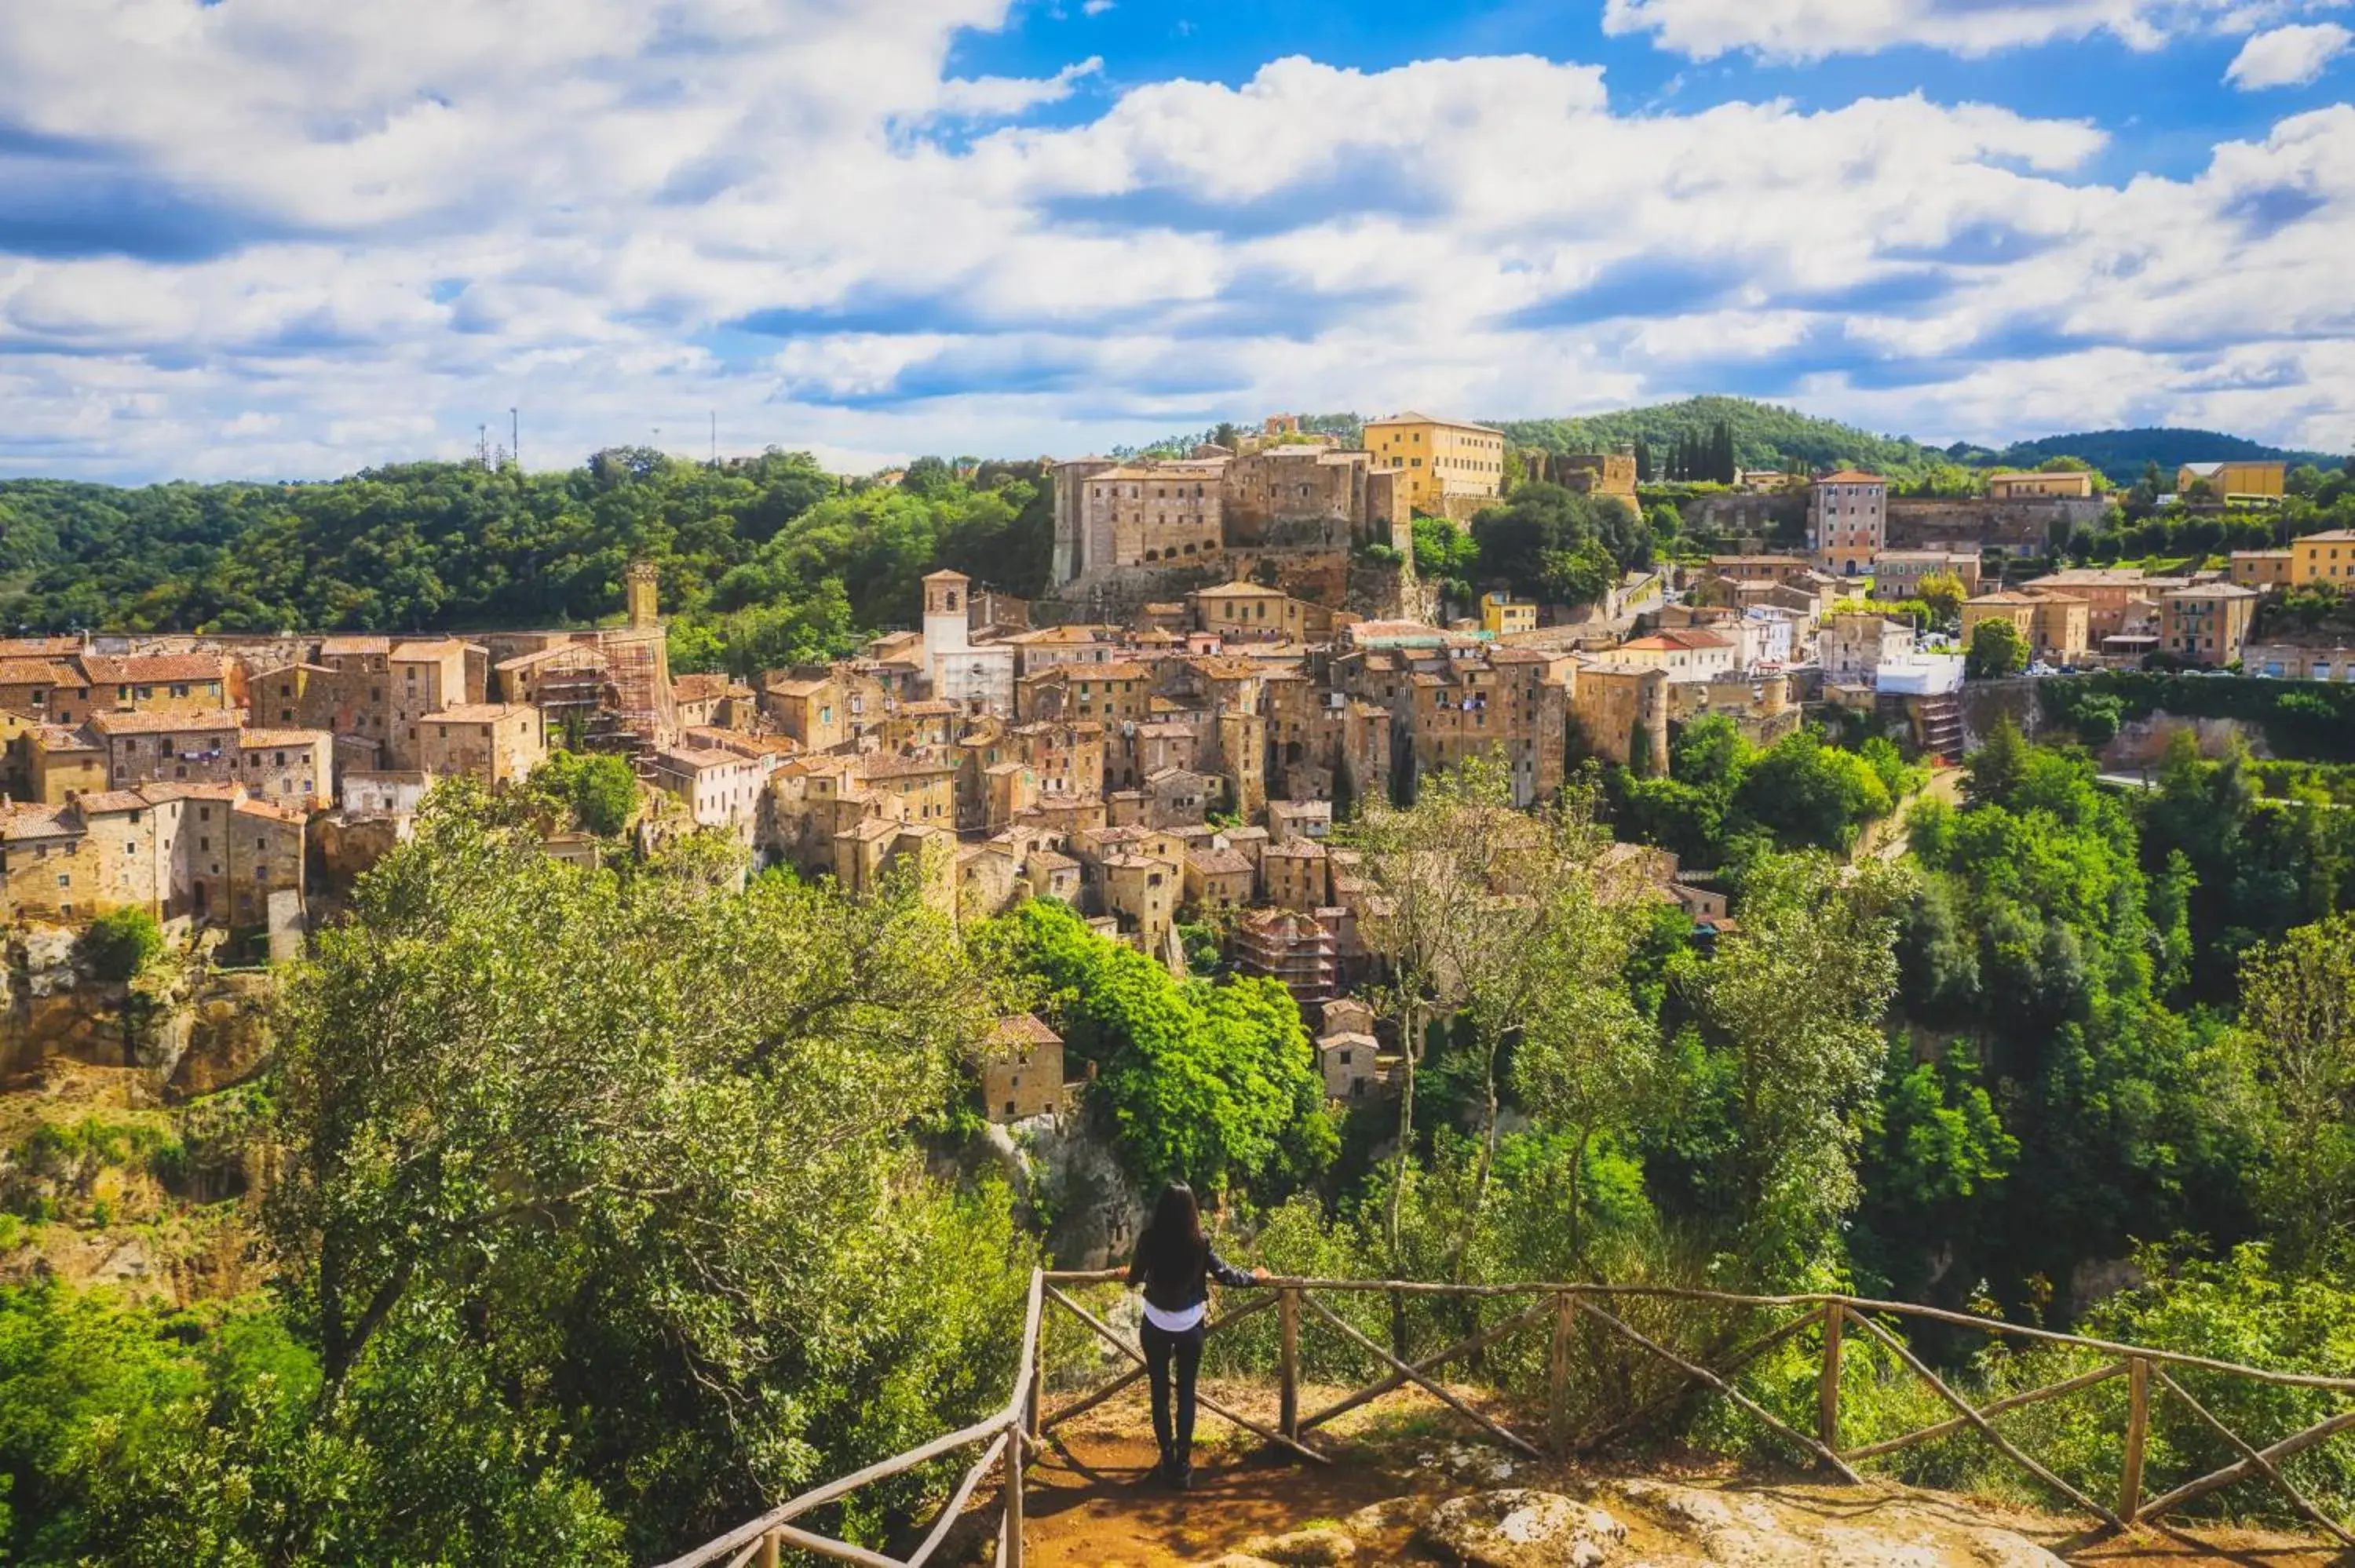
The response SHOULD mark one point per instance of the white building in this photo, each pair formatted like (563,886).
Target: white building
(1854,647)
(962,671)
(1765,633)
(721,788)
(1686,653)
(1921,676)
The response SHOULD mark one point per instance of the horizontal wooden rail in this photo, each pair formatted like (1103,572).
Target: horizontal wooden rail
(1854,1304)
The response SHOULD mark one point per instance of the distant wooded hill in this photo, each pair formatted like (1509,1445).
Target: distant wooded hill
(1768,435)
(1765,435)
(2121,454)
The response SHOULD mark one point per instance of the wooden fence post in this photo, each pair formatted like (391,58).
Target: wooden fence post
(1288,1309)
(1565,1322)
(2137,1433)
(1016,1451)
(768,1558)
(1828,1381)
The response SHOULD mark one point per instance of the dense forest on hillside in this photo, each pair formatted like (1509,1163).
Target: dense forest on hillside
(2122,455)
(762,559)
(1770,434)
(1765,435)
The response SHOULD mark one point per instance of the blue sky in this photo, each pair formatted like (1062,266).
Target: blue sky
(269,238)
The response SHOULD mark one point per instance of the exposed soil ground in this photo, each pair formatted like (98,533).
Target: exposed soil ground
(1092,1502)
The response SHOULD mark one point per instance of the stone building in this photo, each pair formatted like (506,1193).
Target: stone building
(1847,521)
(1622,714)
(265,858)
(199,851)
(1022,1070)
(1295,948)
(293,767)
(1347,1062)
(61,762)
(1217,875)
(494,744)
(1600,475)
(158,683)
(426,677)
(1295,875)
(54,691)
(169,746)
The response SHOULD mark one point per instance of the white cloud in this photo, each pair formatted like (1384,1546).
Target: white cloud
(1817,30)
(379,238)
(2287,56)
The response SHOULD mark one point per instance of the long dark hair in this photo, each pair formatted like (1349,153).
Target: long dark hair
(1173,1245)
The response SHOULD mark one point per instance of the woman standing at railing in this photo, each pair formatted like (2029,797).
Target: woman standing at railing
(1175,1265)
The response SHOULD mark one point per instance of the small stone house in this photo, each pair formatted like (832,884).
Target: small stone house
(1346,1061)
(1022,1072)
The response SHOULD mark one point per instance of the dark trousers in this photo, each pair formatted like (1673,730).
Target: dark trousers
(1173,1430)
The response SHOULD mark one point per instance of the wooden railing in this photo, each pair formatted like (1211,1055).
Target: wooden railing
(1558,1310)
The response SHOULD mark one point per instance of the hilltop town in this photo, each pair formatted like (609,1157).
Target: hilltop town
(1177,768)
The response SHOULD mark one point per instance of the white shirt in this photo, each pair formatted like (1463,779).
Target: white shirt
(1176,1323)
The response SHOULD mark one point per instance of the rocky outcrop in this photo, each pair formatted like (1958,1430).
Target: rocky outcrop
(1521,1528)
(1809,1528)
(188,1026)
(1640,1522)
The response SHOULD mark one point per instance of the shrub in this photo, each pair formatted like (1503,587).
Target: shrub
(121,942)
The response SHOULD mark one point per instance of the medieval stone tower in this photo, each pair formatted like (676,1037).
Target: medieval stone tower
(638,596)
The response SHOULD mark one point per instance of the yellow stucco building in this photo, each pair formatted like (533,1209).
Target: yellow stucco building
(2325,557)
(2233,481)
(1502,614)
(1442,461)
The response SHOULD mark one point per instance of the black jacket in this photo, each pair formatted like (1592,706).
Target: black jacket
(1186,1288)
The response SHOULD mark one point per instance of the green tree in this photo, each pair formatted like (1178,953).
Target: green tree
(928,476)
(595,791)
(1212,1084)
(1564,547)
(1943,593)
(1996,650)
(1811,795)
(568,1122)
(1790,1008)
(2297,1013)
(120,943)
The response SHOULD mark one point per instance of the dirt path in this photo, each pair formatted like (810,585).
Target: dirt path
(1092,1504)
(1885,836)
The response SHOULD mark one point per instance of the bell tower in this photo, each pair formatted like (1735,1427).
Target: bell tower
(638,596)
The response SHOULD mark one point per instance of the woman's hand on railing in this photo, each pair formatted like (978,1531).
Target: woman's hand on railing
(1259,1274)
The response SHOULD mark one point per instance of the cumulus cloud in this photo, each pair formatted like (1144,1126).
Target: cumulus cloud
(2287,56)
(1815,29)
(261,238)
